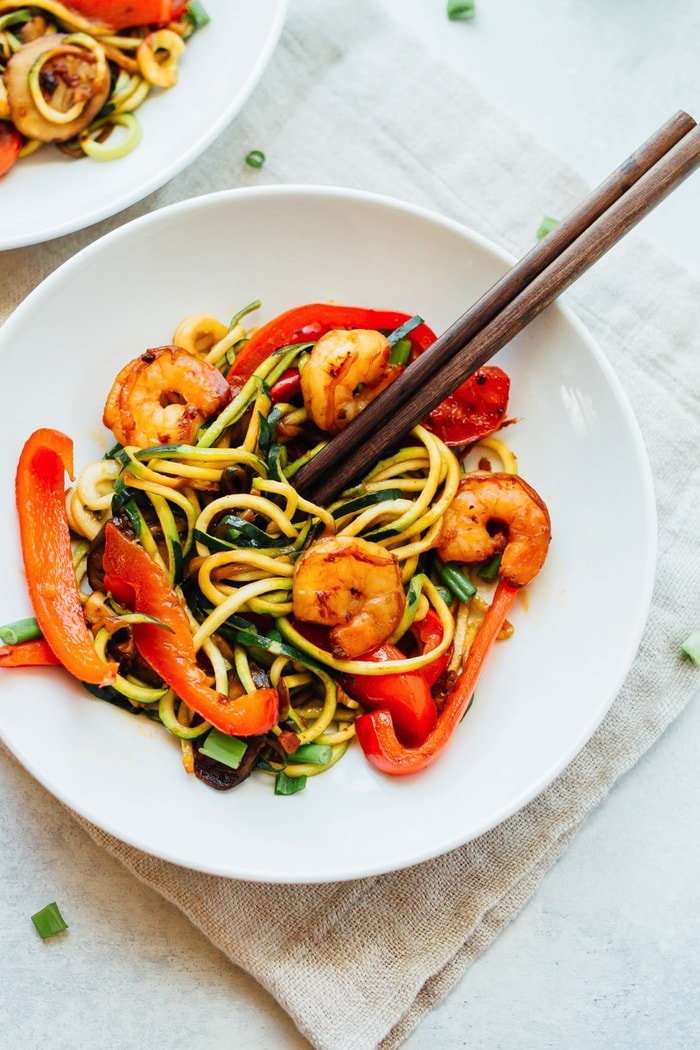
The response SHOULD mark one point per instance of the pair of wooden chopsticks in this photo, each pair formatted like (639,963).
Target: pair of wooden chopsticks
(604,217)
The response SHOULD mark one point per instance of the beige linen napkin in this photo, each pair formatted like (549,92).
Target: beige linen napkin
(349,100)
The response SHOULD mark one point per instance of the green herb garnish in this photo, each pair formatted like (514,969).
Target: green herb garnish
(460,9)
(286,785)
(49,921)
(228,750)
(691,646)
(546,226)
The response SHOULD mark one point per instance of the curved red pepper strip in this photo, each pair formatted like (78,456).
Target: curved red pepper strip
(35,653)
(120,14)
(48,561)
(135,579)
(375,731)
(308,323)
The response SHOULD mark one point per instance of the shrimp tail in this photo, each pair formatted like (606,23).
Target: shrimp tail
(375,731)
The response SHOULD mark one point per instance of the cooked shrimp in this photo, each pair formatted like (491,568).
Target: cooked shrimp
(163,397)
(494,513)
(353,586)
(345,371)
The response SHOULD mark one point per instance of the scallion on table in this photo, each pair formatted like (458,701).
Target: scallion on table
(460,9)
(691,646)
(49,921)
(546,226)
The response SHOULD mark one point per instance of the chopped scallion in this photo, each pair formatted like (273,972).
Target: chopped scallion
(404,329)
(314,754)
(286,785)
(20,631)
(400,352)
(49,921)
(691,646)
(454,579)
(489,570)
(197,15)
(457,9)
(546,226)
(228,750)
(255,159)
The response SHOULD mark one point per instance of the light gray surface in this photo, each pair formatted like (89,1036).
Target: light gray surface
(607,950)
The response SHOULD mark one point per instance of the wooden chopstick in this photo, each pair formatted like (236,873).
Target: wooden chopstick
(603,218)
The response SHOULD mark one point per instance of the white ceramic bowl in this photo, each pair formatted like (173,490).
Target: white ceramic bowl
(542,695)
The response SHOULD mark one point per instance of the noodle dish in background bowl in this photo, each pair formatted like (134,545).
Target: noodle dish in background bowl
(196,91)
(540,695)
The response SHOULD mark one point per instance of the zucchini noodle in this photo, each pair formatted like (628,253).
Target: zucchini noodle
(219,514)
(71,81)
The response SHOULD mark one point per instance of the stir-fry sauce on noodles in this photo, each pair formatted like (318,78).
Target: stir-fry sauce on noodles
(258,628)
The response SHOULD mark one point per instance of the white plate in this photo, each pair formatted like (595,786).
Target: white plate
(543,693)
(48,194)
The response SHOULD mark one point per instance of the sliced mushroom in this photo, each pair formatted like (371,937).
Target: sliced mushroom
(56,85)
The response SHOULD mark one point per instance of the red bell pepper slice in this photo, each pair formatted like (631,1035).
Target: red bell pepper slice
(11,143)
(135,579)
(428,632)
(122,14)
(476,409)
(48,561)
(35,653)
(376,733)
(287,386)
(308,323)
(405,695)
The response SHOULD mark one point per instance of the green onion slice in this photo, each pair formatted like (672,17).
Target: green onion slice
(228,750)
(460,9)
(314,754)
(197,15)
(286,785)
(400,352)
(255,159)
(691,646)
(49,921)
(20,631)
(546,226)
(489,570)
(404,329)
(452,576)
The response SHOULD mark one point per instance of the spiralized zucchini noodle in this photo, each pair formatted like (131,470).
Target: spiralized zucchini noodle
(75,82)
(262,630)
